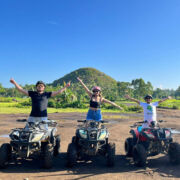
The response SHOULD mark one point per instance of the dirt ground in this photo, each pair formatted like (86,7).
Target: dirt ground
(158,167)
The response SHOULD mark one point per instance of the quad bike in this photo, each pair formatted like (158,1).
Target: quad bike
(150,142)
(37,141)
(91,139)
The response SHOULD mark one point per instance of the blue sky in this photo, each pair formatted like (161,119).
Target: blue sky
(126,39)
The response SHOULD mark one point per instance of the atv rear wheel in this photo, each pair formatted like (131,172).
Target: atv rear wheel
(174,153)
(71,155)
(5,155)
(139,155)
(47,158)
(57,146)
(110,152)
(128,146)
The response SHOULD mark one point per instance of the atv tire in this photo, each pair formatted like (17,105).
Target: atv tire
(57,146)
(71,155)
(47,158)
(5,155)
(139,155)
(174,153)
(75,140)
(110,152)
(128,146)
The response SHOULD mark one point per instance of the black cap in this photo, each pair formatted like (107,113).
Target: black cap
(148,97)
(40,82)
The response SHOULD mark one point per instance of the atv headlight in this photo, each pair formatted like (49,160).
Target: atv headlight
(102,135)
(83,133)
(36,137)
(15,135)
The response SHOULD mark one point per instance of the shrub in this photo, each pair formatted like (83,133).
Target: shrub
(135,108)
(175,107)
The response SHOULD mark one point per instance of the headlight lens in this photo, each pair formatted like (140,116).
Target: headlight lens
(15,135)
(102,135)
(83,133)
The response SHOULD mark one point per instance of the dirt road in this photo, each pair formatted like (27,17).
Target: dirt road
(158,167)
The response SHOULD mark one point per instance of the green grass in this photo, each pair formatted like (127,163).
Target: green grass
(15,110)
(172,103)
(12,108)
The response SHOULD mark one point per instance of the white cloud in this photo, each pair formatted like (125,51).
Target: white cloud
(52,23)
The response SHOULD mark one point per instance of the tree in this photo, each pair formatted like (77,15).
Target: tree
(177,93)
(2,90)
(141,88)
(124,88)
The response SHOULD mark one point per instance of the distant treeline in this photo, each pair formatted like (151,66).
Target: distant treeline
(75,96)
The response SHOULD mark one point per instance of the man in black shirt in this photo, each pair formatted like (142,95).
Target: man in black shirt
(39,100)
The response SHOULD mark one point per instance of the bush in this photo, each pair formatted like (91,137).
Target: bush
(138,109)
(5,99)
(52,104)
(175,107)
(25,103)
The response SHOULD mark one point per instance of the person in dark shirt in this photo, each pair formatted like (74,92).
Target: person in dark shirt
(39,100)
(94,112)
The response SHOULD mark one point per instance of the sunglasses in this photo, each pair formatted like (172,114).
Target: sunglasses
(95,91)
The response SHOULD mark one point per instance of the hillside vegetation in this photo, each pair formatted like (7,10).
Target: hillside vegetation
(76,97)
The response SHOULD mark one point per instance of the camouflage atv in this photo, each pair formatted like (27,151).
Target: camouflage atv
(38,141)
(91,139)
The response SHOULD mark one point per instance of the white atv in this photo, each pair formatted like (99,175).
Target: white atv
(39,140)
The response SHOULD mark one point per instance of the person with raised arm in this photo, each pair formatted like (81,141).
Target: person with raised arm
(96,99)
(39,100)
(149,108)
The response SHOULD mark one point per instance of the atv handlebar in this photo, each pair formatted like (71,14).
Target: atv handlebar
(21,120)
(84,121)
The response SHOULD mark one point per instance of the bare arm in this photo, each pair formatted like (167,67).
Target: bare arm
(85,87)
(132,99)
(162,100)
(61,90)
(18,87)
(112,103)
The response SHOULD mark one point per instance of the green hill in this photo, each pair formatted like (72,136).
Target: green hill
(91,77)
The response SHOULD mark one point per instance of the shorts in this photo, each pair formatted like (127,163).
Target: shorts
(37,119)
(94,115)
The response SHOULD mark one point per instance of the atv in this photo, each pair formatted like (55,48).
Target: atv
(36,140)
(151,141)
(91,139)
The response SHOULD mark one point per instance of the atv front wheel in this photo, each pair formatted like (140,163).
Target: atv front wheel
(139,155)
(57,146)
(71,155)
(47,156)
(110,152)
(5,155)
(128,146)
(174,153)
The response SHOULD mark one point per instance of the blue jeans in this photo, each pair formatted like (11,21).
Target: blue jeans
(94,115)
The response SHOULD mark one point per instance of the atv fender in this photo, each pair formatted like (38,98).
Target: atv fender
(134,133)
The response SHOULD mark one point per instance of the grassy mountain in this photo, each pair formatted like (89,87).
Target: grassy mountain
(90,77)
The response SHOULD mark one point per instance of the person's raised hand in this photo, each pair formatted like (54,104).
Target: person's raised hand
(169,97)
(12,81)
(68,84)
(126,96)
(79,79)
